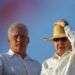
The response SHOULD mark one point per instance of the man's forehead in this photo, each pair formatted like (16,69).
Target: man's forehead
(18,31)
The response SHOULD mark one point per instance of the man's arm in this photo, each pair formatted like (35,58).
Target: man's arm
(71,36)
(1,67)
(69,33)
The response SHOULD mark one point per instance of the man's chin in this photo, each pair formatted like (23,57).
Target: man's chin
(19,48)
(60,51)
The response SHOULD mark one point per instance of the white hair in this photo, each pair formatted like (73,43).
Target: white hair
(17,25)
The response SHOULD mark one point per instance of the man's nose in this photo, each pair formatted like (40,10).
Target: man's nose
(60,42)
(18,38)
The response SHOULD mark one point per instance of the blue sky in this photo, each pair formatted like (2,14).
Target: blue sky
(39,16)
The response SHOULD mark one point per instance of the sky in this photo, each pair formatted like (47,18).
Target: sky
(39,16)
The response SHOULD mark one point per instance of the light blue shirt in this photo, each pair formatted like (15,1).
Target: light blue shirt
(13,64)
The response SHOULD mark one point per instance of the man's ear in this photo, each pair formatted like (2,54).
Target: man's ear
(28,40)
(8,40)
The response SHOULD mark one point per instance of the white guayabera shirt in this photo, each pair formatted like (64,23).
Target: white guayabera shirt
(64,65)
(13,64)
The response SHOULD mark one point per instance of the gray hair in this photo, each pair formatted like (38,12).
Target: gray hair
(17,25)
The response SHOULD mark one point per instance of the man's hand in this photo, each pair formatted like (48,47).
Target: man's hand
(61,23)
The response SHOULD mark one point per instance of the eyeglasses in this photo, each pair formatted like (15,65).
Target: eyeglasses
(63,39)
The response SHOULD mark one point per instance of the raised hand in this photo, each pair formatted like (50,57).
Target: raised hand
(61,23)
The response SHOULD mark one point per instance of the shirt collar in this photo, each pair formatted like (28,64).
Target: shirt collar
(56,56)
(11,53)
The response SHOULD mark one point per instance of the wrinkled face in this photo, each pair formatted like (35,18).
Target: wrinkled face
(18,40)
(61,45)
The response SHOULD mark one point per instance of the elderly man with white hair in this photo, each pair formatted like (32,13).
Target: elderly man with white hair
(63,61)
(16,61)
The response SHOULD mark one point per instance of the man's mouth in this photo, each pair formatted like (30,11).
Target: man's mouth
(18,44)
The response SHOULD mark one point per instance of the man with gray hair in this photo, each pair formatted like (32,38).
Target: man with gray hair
(16,60)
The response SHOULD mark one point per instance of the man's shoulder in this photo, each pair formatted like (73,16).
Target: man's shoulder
(49,60)
(33,61)
(34,64)
(4,56)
